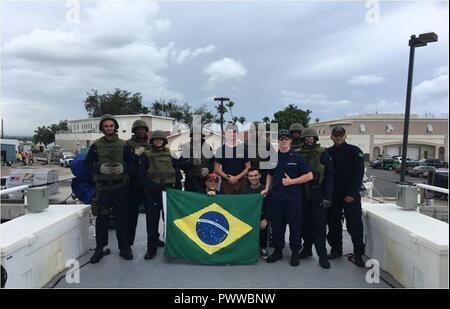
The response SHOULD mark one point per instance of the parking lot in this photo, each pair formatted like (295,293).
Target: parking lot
(386,181)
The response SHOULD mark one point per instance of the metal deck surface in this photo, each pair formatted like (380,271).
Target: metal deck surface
(161,272)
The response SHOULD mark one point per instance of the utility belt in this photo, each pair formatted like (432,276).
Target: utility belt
(310,186)
(111,184)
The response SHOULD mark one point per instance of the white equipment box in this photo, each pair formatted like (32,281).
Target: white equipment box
(42,176)
(36,247)
(410,246)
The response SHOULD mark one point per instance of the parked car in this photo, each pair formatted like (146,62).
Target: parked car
(421,171)
(65,160)
(389,164)
(440,179)
(410,163)
(435,162)
(376,164)
(397,158)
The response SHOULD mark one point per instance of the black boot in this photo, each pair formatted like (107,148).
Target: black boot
(275,256)
(324,263)
(150,254)
(160,243)
(305,253)
(359,260)
(334,254)
(97,256)
(126,254)
(295,258)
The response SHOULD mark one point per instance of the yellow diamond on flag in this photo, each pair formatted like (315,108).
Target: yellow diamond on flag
(212,228)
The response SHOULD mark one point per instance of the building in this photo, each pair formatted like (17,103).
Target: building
(83,132)
(378,134)
(176,140)
(9,148)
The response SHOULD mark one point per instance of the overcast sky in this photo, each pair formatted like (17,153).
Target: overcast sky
(334,58)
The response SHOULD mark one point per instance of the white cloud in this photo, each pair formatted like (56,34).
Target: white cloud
(116,45)
(443,70)
(162,24)
(224,73)
(363,80)
(318,103)
(382,106)
(363,46)
(184,55)
(431,89)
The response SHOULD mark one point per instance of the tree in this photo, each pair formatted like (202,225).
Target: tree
(46,135)
(61,126)
(207,116)
(120,102)
(171,109)
(317,120)
(43,135)
(291,114)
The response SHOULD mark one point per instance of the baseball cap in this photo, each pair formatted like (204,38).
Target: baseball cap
(212,176)
(338,130)
(284,133)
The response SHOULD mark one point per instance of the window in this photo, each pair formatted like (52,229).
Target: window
(389,128)
(429,128)
(362,127)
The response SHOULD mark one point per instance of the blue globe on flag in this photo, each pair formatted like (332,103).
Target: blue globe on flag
(212,228)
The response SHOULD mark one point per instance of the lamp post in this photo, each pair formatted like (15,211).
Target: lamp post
(221,111)
(414,42)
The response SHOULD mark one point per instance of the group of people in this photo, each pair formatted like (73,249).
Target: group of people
(308,186)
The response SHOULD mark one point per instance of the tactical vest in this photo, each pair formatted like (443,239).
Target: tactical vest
(296,145)
(133,142)
(109,152)
(160,166)
(312,156)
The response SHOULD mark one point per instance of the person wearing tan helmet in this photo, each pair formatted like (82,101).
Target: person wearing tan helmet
(108,159)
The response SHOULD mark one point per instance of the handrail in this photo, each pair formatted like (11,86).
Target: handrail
(14,189)
(432,188)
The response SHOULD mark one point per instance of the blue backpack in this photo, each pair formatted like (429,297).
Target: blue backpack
(82,186)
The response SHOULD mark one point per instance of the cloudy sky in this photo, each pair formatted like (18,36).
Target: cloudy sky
(334,58)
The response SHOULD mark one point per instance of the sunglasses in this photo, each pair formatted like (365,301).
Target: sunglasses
(283,138)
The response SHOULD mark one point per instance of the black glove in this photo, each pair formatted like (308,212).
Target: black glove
(326,204)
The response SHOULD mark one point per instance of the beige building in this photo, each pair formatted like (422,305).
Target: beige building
(378,134)
(176,140)
(83,132)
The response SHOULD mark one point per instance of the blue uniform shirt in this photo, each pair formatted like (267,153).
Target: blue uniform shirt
(295,166)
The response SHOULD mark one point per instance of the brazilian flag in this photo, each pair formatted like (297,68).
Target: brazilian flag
(221,229)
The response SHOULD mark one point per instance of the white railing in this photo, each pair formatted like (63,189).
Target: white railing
(14,189)
(432,188)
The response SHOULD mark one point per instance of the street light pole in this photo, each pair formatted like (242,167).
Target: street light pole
(414,42)
(407,109)
(221,111)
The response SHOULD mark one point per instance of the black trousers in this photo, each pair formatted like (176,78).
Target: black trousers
(352,213)
(194,183)
(135,201)
(264,237)
(117,199)
(153,207)
(314,227)
(283,212)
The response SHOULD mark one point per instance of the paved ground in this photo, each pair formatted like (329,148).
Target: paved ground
(385,181)
(114,272)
